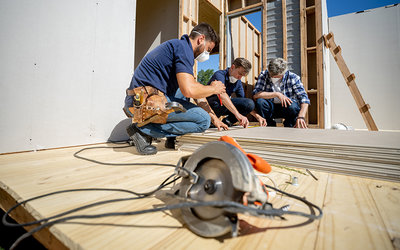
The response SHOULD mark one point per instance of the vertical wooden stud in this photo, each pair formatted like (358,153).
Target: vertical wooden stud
(284,29)
(303,44)
(320,63)
(264,31)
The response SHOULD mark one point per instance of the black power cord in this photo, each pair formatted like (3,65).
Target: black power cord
(231,206)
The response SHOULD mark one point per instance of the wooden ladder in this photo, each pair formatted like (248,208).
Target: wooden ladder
(350,80)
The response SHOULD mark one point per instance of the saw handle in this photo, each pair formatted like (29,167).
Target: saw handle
(258,163)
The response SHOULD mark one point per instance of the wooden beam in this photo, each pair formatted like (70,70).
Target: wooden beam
(350,81)
(222,52)
(303,45)
(320,63)
(245,8)
(284,29)
(259,56)
(264,31)
(180,25)
(190,15)
(213,7)
(239,44)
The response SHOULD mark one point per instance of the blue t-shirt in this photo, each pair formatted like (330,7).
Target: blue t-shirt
(223,76)
(160,66)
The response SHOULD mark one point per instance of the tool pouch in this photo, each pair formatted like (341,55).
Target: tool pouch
(149,106)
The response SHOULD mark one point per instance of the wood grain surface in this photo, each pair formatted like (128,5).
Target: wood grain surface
(359,213)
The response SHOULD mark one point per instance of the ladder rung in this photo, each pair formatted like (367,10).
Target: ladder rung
(364,108)
(351,77)
(329,36)
(337,50)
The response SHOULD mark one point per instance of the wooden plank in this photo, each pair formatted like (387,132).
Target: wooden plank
(57,170)
(222,52)
(264,35)
(28,174)
(303,46)
(214,8)
(347,75)
(320,64)
(310,10)
(253,6)
(351,219)
(259,62)
(181,20)
(387,199)
(284,30)
(21,215)
(239,30)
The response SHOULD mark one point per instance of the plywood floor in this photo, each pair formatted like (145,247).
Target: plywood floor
(359,213)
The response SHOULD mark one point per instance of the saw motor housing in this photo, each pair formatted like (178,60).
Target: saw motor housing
(221,172)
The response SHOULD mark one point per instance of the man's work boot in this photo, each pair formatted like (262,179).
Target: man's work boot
(141,141)
(130,129)
(170,142)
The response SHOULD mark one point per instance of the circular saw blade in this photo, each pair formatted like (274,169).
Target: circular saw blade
(214,184)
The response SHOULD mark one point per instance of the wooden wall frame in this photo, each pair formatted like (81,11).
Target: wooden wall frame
(311,42)
(312,69)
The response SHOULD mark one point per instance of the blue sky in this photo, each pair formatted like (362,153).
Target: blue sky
(335,8)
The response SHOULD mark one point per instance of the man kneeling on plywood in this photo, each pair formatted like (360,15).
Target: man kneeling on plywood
(158,76)
(279,93)
(235,109)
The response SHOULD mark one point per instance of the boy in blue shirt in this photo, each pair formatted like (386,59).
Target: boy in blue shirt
(235,109)
(167,68)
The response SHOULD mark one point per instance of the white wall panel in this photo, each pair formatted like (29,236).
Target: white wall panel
(64,68)
(370,43)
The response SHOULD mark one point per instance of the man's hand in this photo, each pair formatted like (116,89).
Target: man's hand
(219,124)
(286,102)
(259,118)
(243,121)
(262,121)
(219,87)
(300,123)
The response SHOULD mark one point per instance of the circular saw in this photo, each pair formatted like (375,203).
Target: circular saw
(219,172)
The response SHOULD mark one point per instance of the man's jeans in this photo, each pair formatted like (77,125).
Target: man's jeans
(269,110)
(243,105)
(194,120)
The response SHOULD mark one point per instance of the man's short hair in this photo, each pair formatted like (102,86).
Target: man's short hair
(277,66)
(242,62)
(206,30)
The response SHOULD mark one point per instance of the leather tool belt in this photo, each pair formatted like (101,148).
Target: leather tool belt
(151,106)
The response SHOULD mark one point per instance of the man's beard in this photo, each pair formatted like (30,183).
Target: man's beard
(197,51)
